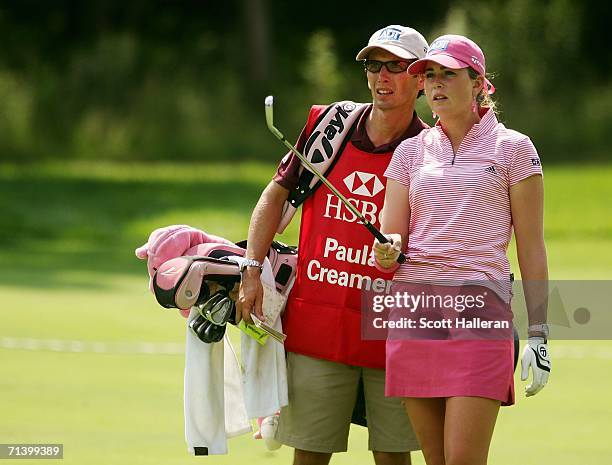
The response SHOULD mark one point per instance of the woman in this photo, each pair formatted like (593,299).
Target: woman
(454,194)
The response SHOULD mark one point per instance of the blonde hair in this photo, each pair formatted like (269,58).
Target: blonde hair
(483,99)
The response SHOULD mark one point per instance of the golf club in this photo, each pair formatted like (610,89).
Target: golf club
(269,103)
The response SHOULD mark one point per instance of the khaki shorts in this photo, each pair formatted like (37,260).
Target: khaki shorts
(322,395)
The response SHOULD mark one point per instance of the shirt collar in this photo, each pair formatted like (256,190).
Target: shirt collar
(487,123)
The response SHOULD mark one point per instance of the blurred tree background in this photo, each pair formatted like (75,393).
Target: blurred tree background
(185,80)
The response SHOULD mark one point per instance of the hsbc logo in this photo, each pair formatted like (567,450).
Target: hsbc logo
(366,184)
(334,208)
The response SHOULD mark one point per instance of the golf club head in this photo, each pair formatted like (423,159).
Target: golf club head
(269,103)
(205,330)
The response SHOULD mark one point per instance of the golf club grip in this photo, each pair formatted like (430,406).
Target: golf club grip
(401,258)
(377,234)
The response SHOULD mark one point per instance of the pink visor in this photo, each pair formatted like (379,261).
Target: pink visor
(455,52)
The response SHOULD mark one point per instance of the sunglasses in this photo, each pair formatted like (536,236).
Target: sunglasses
(393,66)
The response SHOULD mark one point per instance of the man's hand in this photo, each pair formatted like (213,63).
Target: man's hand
(250,296)
(264,223)
(386,254)
(535,356)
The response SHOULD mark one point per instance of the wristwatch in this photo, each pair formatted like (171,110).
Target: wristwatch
(250,262)
(541,328)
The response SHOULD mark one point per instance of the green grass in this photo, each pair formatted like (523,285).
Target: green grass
(68,272)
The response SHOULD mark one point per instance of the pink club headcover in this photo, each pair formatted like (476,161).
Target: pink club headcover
(171,242)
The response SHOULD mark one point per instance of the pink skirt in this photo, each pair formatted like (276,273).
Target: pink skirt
(423,366)
(431,368)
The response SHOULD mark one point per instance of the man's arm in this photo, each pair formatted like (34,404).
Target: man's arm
(262,228)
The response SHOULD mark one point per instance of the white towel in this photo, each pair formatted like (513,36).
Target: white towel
(219,399)
(236,418)
(212,385)
(265,369)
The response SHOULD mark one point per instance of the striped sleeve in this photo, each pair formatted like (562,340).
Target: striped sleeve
(525,161)
(399,167)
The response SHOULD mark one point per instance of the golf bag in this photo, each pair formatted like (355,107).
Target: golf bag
(206,278)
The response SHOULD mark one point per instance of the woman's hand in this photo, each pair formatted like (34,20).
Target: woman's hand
(386,254)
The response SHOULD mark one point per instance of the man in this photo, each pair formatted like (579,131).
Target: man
(327,359)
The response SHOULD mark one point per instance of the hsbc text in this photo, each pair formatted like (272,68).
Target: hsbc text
(335,209)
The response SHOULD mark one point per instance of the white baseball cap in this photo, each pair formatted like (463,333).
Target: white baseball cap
(402,41)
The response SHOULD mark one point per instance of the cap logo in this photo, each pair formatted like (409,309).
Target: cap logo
(389,33)
(438,45)
(476,61)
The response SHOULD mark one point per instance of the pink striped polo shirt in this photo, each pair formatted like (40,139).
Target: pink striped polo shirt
(460,220)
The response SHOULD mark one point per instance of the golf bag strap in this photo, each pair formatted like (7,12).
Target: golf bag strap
(322,150)
(283,259)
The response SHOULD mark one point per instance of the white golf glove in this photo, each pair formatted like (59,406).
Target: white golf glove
(535,356)
(386,254)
